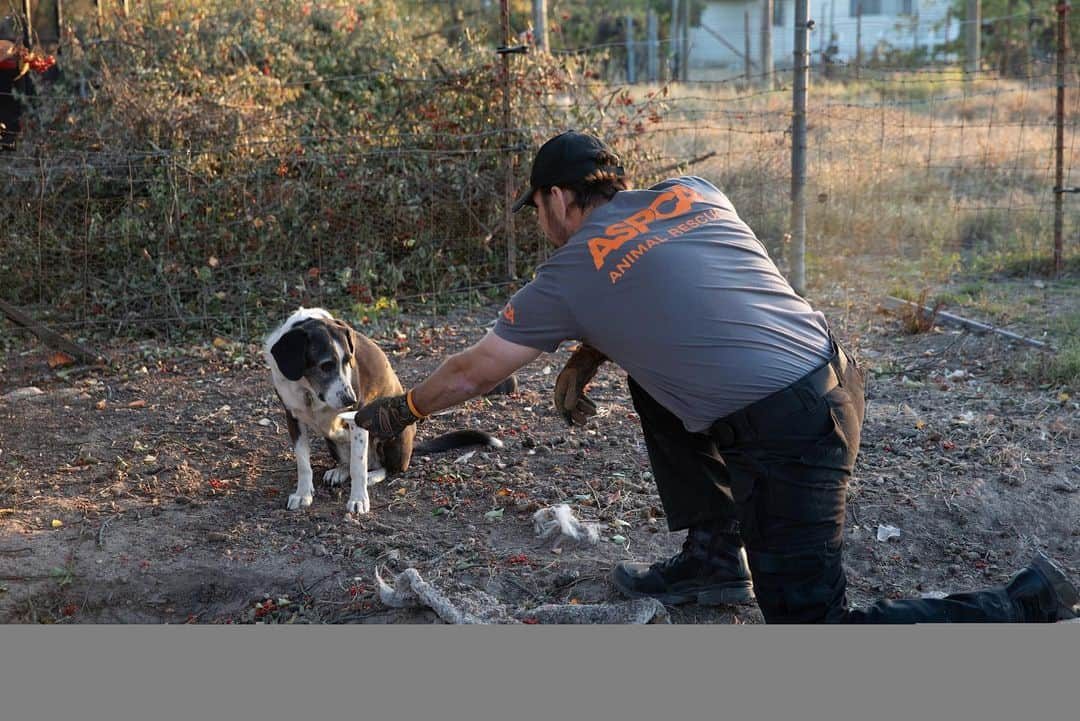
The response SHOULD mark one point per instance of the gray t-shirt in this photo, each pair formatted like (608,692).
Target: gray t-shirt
(673,286)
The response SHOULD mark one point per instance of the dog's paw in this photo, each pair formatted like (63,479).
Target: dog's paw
(297,501)
(358,505)
(336,476)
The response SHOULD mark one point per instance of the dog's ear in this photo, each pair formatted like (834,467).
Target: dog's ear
(290,354)
(348,333)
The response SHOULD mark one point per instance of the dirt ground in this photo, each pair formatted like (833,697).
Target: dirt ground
(155,492)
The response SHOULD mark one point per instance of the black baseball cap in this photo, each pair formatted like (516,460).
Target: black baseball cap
(564,160)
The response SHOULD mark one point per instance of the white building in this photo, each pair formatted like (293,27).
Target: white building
(720,40)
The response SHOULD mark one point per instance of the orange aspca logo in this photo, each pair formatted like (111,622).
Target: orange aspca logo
(508,313)
(671,203)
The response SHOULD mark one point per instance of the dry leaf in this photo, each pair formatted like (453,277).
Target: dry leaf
(60,358)
(137,404)
(220,343)
(56,523)
(100,405)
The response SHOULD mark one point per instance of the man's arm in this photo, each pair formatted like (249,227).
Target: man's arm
(470,373)
(462,376)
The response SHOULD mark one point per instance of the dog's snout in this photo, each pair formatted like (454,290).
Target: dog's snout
(347,397)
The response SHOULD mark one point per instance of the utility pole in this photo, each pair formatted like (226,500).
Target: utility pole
(766,45)
(673,50)
(858,39)
(652,31)
(746,48)
(684,56)
(972,36)
(540,28)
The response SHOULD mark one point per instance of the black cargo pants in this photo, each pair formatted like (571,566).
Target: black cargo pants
(776,472)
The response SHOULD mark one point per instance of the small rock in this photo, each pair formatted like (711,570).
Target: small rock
(217,537)
(22,393)
(320,550)
(393,555)
(264,421)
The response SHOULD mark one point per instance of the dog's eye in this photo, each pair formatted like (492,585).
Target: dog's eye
(327,366)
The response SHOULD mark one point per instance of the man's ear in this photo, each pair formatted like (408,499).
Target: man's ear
(559,200)
(290,354)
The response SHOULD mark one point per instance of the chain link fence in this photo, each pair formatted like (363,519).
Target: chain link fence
(161,186)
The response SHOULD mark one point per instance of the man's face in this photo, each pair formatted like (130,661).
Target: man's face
(558,217)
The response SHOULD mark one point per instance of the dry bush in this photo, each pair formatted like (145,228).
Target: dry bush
(217,158)
(916,317)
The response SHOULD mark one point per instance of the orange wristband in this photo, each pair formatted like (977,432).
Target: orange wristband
(412,407)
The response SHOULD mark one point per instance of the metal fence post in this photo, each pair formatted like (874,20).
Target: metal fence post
(1063,9)
(798,146)
(631,56)
(508,188)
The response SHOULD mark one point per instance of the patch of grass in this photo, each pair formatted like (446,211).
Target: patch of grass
(903,292)
(1064,368)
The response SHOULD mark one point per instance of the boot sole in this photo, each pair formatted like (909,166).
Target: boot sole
(733,595)
(1063,589)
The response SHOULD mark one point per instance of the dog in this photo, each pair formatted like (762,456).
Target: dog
(320,367)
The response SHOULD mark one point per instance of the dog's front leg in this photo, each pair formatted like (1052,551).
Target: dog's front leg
(359,501)
(305,489)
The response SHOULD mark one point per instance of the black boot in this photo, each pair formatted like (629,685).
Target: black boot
(711,569)
(1041,593)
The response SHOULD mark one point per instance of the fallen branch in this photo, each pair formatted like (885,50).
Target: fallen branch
(411,591)
(892,303)
(50,337)
(637,611)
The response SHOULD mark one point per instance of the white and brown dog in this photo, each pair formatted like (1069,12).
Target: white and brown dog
(320,367)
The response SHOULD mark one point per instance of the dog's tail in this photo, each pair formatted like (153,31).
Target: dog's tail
(456,439)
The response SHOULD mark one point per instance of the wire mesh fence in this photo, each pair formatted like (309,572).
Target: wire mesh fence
(152,190)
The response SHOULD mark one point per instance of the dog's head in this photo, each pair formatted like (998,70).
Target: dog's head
(321,352)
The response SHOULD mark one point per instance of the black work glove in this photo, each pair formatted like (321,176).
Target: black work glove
(570,398)
(386,417)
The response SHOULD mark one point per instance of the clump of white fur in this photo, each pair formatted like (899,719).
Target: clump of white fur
(559,521)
